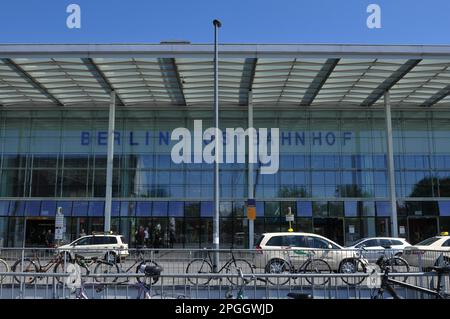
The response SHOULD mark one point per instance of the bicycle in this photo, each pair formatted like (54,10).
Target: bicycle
(387,285)
(204,266)
(359,264)
(138,262)
(4,268)
(310,265)
(244,282)
(33,265)
(144,289)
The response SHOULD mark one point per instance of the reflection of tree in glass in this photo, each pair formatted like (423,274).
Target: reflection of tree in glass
(350,190)
(428,186)
(293,192)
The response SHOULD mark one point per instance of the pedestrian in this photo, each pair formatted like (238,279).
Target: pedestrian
(158,237)
(147,237)
(139,236)
(82,233)
(49,239)
(172,238)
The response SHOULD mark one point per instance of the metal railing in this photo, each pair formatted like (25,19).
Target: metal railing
(44,271)
(179,286)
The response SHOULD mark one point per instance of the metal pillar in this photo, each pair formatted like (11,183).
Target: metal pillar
(216,225)
(251,195)
(390,162)
(109,163)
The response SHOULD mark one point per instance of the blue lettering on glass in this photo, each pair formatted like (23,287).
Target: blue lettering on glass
(286,138)
(102,138)
(85,138)
(347,136)
(132,142)
(283,137)
(117,137)
(147,138)
(330,138)
(164,137)
(300,138)
(315,138)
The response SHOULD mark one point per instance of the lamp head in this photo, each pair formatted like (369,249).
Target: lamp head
(217,23)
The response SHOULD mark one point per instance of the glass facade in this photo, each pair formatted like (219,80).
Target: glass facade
(332,174)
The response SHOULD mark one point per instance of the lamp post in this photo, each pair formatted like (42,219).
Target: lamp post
(217,24)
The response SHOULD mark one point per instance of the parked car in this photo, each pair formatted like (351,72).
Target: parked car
(100,245)
(275,249)
(426,253)
(374,247)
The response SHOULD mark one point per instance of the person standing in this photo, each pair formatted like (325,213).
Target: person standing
(49,239)
(147,237)
(172,232)
(140,235)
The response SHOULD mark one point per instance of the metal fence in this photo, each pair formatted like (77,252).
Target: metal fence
(188,273)
(179,286)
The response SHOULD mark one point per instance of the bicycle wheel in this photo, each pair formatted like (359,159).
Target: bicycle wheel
(317,266)
(397,265)
(199,266)
(233,266)
(147,263)
(278,266)
(3,268)
(25,265)
(106,268)
(353,266)
(61,267)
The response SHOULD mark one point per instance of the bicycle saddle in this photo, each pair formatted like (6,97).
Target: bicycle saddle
(297,295)
(151,270)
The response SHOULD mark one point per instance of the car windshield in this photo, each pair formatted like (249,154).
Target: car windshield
(357,242)
(428,241)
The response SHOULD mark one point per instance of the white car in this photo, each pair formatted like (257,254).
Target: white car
(101,246)
(426,254)
(274,250)
(373,248)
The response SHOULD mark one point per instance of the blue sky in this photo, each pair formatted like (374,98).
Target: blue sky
(244,21)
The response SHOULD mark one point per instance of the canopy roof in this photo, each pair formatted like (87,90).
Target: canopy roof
(182,75)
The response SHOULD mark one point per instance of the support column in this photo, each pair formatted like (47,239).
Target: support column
(250,182)
(109,162)
(390,162)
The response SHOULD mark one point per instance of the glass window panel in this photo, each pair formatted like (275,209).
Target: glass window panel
(383,209)
(4,208)
(192,209)
(176,209)
(96,208)
(444,208)
(48,208)
(80,208)
(207,209)
(159,208)
(320,209)
(115,208)
(351,208)
(304,209)
(32,208)
(144,209)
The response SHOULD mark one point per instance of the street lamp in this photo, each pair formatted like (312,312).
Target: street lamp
(217,24)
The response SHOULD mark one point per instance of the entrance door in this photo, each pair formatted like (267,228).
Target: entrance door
(420,228)
(332,228)
(36,230)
